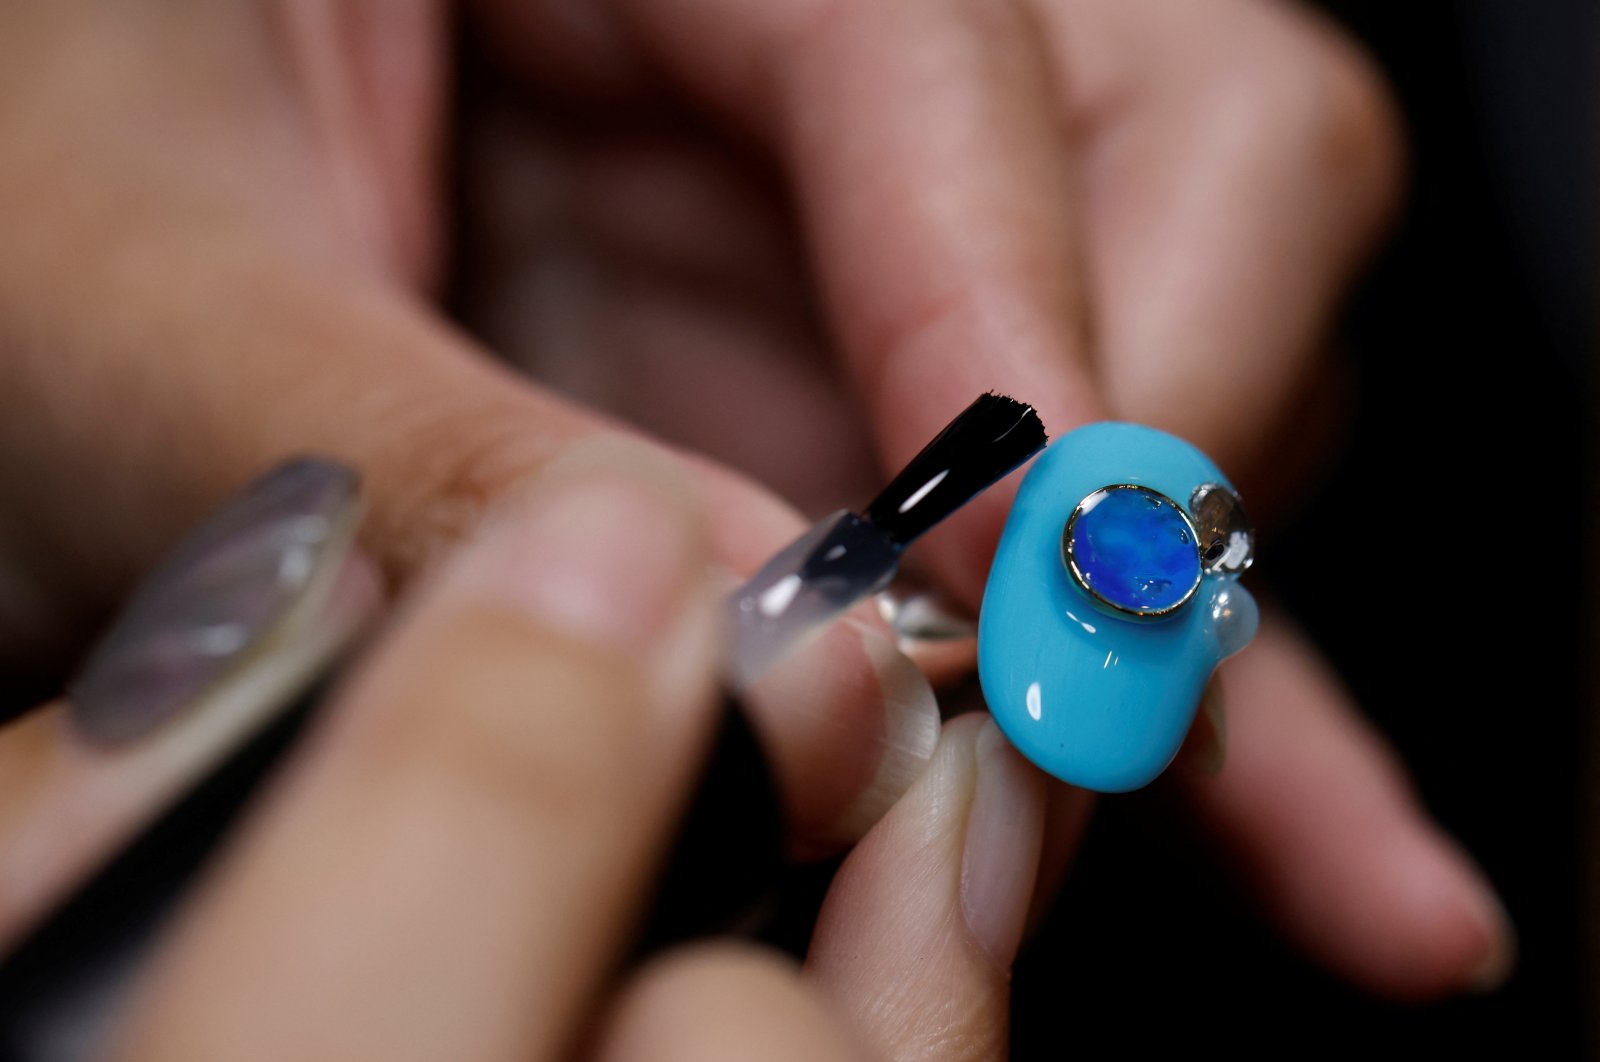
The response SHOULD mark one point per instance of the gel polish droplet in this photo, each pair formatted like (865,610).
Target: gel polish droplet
(1101,623)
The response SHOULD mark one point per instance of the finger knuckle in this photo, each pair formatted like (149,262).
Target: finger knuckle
(440,470)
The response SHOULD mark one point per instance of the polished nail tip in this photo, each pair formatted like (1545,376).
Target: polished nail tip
(227,586)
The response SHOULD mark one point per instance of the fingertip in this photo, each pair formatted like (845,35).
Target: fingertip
(1444,932)
(1323,824)
(1496,960)
(1432,927)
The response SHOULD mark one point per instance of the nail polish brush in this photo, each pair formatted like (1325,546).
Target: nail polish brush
(846,557)
(727,861)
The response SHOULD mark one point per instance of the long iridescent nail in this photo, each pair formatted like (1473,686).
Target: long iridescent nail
(223,600)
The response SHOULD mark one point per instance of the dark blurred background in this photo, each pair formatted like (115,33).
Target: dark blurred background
(1459,518)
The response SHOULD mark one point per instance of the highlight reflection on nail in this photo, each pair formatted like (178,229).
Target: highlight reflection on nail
(919,614)
(217,599)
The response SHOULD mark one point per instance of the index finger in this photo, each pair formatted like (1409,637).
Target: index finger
(451,870)
(930,163)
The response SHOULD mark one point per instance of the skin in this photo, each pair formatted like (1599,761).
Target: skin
(228,228)
(462,810)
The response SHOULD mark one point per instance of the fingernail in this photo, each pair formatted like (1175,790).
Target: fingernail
(218,598)
(849,724)
(599,549)
(1000,858)
(1499,960)
(910,734)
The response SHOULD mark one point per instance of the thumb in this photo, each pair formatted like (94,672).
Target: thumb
(919,929)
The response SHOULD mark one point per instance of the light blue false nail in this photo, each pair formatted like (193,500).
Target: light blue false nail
(1114,595)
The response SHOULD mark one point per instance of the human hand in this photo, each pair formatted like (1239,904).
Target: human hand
(179,317)
(234,225)
(1106,208)
(450,866)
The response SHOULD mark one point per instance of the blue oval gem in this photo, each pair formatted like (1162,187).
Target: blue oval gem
(1134,549)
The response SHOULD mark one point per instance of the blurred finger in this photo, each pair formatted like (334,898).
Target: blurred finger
(932,172)
(1249,159)
(311,338)
(723,1004)
(451,870)
(917,935)
(440,434)
(1327,831)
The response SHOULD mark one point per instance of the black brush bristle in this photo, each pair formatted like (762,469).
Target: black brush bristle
(987,440)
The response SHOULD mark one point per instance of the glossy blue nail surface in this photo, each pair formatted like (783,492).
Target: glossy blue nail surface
(1091,687)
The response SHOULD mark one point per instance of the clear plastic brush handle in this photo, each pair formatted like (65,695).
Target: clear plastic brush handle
(816,579)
